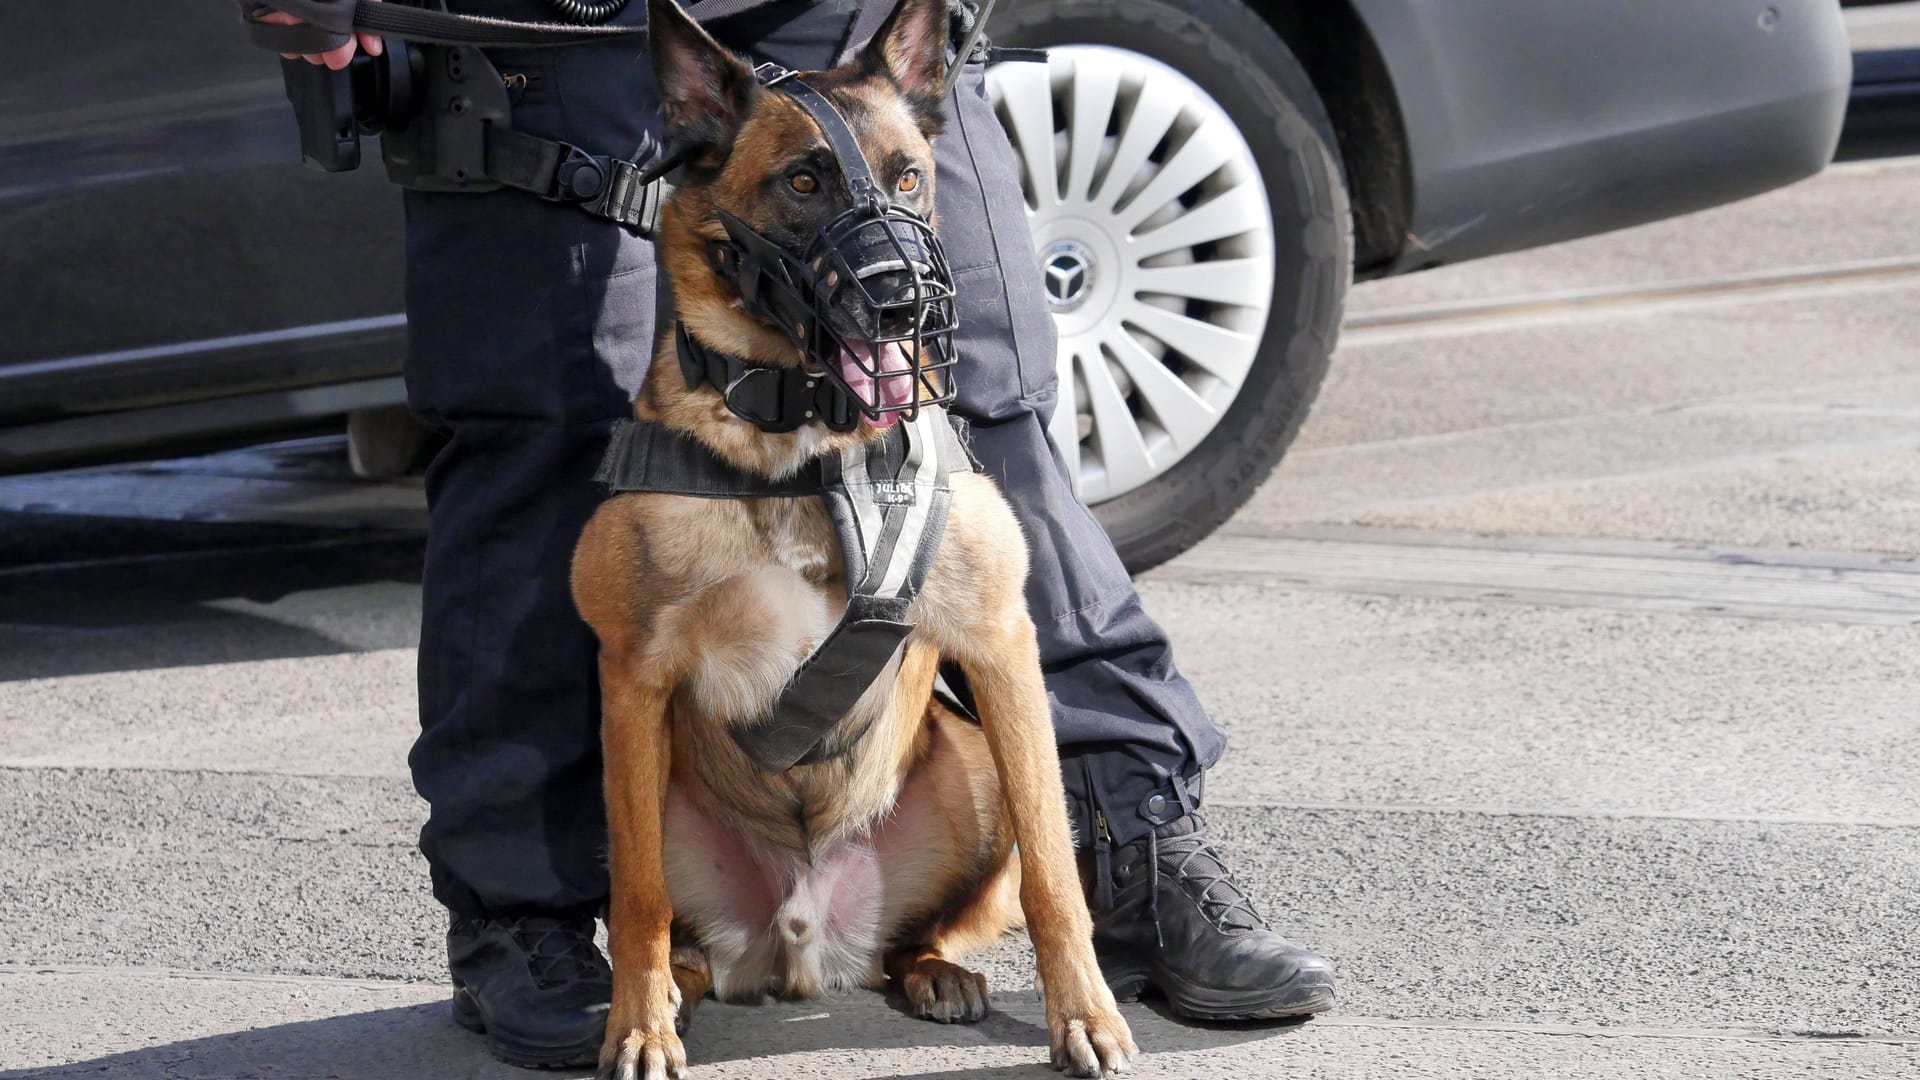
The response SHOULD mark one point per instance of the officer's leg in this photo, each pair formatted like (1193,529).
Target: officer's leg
(1132,734)
(528,327)
(502,326)
(531,327)
(1126,719)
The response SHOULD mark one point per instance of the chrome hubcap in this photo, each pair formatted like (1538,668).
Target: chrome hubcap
(1150,221)
(1068,269)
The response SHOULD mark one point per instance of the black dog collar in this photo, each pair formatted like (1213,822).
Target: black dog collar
(773,399)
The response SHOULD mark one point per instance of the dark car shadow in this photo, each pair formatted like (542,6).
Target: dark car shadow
(798,1038)
(156,601)
(171,563)
(153,613)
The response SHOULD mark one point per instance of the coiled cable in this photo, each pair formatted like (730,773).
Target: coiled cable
(582,11)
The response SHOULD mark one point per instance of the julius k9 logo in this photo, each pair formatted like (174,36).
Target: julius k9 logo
(893,492)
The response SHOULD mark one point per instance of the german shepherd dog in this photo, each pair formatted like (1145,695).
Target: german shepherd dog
(888,864)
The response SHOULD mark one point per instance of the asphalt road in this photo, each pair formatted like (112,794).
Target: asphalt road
(1570,664)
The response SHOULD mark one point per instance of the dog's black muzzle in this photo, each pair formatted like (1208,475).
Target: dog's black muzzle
(870,301)
(870,304)
(892,275)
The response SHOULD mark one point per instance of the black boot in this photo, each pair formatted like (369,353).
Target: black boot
(536,986)
(1171,918)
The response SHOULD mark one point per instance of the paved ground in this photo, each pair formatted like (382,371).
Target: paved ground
(1570,664)
(1885,26)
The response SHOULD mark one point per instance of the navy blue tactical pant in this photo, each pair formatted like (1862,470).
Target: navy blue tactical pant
(531,325)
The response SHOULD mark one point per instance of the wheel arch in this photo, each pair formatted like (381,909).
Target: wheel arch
(1351,78)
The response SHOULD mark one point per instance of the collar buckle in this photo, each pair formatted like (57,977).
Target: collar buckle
(772,74)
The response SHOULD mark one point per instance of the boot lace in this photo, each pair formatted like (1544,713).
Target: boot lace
(558,951)
(1204,878)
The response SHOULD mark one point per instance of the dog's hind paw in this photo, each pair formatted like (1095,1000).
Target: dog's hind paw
(938,990)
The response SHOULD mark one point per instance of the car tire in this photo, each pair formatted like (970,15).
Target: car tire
(1238,62)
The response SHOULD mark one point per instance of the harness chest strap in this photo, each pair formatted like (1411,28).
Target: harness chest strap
(888,501)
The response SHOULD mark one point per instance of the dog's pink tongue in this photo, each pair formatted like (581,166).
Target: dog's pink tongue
(858,358)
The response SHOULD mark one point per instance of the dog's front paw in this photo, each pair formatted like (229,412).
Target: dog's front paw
(643,1042)
(939,990)
(643,1052)
(1093,1041)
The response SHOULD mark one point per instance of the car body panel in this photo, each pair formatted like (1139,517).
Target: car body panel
(1530,123)
(169,272)
(153,208)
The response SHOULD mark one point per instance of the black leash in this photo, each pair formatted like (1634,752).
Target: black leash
(328,24)
(967,44)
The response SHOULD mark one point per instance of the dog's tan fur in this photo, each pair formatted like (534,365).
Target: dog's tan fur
(704,609)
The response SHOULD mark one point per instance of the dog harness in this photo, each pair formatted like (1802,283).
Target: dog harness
(888,501)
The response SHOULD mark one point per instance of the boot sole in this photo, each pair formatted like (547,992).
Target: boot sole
(1207,1003)
(466,1013)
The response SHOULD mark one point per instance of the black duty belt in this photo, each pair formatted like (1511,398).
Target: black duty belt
(888,500)
(326,25)
(476,148)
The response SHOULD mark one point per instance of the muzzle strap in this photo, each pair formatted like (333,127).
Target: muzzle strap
(869,300)
(832,125)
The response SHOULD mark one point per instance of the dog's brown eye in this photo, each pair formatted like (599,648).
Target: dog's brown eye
(909,179)
(803,182)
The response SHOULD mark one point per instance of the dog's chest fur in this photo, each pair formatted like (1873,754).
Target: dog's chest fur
(770,611)
(778,873)
(774,591)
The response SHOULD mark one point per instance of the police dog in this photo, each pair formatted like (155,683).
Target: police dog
(935,834)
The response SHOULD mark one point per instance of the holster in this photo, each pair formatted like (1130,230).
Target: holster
(462,139)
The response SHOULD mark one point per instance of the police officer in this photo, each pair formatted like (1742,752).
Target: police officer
(531,326)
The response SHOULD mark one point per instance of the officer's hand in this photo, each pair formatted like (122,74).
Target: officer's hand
(334,58)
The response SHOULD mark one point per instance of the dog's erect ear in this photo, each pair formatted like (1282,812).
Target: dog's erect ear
(911,48)
(705,91)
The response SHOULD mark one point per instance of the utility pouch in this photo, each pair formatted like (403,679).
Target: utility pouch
(335,108)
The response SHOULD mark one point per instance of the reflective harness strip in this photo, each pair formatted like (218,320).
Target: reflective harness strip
(888,501)
(886,515)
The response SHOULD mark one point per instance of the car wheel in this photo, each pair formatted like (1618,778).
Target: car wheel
(1194,237)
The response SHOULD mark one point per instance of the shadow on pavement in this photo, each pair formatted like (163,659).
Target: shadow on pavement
(95,595)
(796,1039)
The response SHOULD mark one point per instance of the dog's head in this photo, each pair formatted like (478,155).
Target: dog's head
(761,177)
